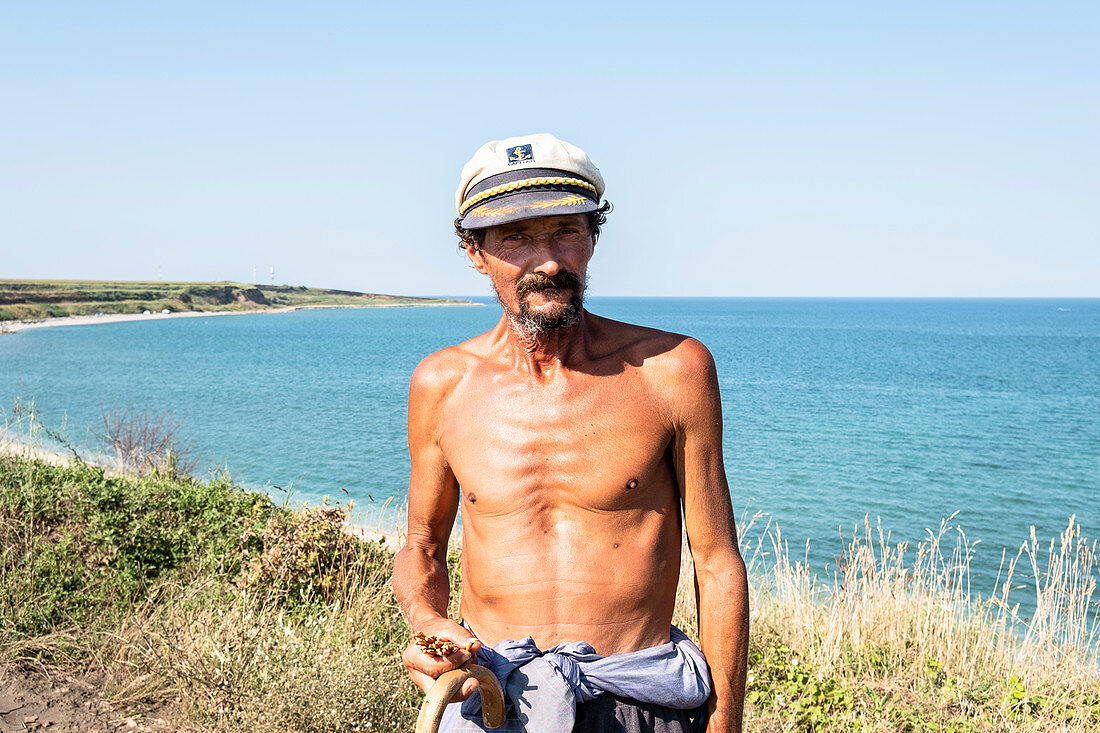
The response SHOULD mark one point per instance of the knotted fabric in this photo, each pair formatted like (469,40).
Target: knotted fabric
(542,688)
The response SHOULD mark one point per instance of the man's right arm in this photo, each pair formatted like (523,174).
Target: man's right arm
(420,568)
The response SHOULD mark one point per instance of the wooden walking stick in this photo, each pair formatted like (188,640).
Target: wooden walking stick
(448,683)
(445,687)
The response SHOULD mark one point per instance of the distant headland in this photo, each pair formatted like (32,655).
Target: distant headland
(30,303)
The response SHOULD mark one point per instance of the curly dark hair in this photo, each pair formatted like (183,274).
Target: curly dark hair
(476,237)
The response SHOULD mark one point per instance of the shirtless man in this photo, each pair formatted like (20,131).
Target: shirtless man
(577,448)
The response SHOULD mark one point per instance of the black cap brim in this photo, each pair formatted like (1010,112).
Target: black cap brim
(527,205)
(528,193)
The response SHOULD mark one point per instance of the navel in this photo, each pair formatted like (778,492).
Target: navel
(632,483)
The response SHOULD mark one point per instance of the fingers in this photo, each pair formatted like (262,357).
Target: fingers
(444,639)
(469,687)
(425,679)
(421,680)
(415,659)
(437,648)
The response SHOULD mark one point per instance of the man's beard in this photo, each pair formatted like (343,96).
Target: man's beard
(532,324)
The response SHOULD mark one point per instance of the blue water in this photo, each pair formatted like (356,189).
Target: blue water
(908,410)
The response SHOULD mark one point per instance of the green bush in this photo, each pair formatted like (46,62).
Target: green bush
(250,616)
(780,680)
(94,544)
(307,556)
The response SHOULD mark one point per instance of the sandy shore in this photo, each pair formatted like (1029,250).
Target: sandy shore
(366,524)
(13,326)
(25,450)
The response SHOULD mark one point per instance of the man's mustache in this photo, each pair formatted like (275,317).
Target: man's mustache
(564,279)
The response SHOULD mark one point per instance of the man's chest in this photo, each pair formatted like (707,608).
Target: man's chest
(598,442)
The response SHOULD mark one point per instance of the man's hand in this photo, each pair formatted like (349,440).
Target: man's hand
(424,668)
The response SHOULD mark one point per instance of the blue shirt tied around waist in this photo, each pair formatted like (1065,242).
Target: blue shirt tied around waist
(544,687)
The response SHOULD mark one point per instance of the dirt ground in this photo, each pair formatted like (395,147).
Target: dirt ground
(55,702)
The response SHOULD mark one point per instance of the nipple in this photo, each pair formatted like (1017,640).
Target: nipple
(472,497)
(632,483)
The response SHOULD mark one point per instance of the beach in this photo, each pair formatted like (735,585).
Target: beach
(15,326)
(9,447)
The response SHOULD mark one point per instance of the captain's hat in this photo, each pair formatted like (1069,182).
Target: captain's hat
(526,177)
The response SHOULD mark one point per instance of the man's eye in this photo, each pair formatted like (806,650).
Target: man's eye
(513,238)
(568,232)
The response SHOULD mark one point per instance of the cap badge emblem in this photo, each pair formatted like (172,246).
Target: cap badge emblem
(520,154)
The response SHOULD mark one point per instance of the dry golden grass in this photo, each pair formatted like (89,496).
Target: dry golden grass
(895,640)
(303,633)
(889,643)
(310,640)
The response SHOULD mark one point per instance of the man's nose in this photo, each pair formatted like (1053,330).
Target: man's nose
(547,256)
(548,266)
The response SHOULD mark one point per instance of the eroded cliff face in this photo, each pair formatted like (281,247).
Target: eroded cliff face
(34,300)
(252,295)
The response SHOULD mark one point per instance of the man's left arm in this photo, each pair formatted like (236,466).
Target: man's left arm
(721,585)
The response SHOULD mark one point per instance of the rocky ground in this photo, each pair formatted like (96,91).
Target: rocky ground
(55,702)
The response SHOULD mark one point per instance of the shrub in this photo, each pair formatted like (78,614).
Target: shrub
(148,442)
(96,544)
(307,554)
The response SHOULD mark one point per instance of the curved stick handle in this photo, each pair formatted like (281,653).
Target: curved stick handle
(445,687)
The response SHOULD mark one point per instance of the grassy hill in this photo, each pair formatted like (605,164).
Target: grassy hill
(245,617)
(37,299)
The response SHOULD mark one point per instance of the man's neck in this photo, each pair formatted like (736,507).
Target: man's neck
(544,354)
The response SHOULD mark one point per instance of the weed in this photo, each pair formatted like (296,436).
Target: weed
(307,555)
(781,681)
(146,442)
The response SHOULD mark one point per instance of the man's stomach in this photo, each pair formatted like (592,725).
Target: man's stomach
(608,580)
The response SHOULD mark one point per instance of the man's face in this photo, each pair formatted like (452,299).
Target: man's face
(538,268)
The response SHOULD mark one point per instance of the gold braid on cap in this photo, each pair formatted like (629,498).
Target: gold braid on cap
(527,183)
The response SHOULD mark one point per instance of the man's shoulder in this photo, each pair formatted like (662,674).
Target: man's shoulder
(662,353)
(678,370)
(442,370)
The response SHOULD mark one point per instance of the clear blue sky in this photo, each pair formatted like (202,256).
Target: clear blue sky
(806,149)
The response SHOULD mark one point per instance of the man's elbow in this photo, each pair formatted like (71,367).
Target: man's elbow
(725,571)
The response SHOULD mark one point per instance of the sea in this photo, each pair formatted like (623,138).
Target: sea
(900,413)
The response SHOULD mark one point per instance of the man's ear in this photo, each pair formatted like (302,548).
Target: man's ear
(477,258)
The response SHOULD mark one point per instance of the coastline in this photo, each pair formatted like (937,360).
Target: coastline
(11,447)
(7,327)
(362,525)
